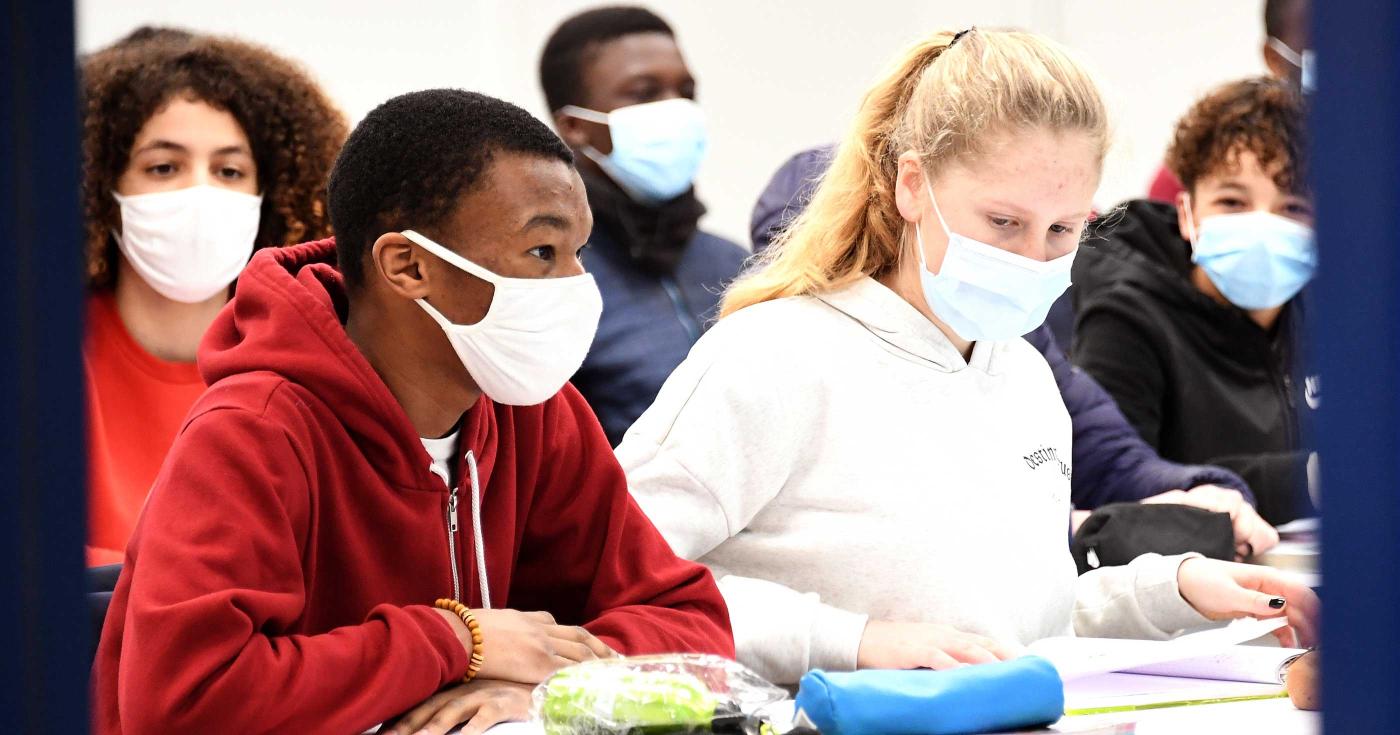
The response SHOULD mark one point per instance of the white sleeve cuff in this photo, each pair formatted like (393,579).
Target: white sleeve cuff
(1159,597)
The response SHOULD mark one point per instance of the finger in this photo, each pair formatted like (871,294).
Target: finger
(491,714)
(540,616)
(414,719)
(455,712)
(600,649)
(558,662)
(574,651)
(1287,637)
(971,653)
(938,660)
(1003,651)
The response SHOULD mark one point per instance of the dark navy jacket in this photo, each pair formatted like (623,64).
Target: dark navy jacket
(1112,464)
(649,322)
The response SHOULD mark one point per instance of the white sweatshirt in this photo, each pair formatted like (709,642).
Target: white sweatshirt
(834,457)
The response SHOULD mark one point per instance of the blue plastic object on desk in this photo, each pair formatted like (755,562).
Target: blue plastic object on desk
(1021,693)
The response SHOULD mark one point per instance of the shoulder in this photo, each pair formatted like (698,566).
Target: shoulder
(715,246)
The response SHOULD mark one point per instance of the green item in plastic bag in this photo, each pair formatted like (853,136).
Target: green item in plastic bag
(617,700)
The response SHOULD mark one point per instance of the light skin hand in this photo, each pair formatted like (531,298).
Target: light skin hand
(1253,535)
(1223,590)
(891,645)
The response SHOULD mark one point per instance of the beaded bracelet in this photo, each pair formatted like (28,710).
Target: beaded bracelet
(469,620)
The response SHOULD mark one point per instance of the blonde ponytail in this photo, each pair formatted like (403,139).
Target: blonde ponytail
(989,81)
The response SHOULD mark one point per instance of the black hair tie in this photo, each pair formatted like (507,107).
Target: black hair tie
(959,35)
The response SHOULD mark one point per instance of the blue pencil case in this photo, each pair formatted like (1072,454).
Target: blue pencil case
(1021,693)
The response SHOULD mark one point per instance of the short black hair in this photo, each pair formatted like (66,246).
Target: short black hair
(1276,16)
(568,48)
(408,163)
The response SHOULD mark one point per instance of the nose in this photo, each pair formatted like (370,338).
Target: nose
(1036,247)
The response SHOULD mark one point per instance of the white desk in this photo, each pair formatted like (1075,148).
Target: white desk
(1271,716)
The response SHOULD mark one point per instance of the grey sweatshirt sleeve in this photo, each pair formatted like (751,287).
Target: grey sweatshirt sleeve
(1140,600)
(717,446)
(782,633)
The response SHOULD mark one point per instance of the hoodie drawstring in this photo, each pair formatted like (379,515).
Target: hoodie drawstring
(476,533)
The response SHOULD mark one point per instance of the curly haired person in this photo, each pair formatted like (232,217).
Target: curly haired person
(198,150)
(1190,313)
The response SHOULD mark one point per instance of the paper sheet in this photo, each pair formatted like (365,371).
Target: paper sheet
(1137,690)
(1075,658)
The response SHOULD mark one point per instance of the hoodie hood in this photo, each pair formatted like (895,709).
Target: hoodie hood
(287,317)
(1136,253)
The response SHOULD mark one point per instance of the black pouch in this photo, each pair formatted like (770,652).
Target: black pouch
(1116,534)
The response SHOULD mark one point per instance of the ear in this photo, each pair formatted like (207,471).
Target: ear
(400,265)
(910,187)
(579,133)
(1185,217)
(1279,68)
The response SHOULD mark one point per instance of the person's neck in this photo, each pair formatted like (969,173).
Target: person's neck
(434,404)
(167,329)
(1265,318)
(905,281)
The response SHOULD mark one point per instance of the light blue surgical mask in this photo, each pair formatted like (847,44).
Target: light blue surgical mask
(656,147)
(1305,61)
(986,293)
(1258,260)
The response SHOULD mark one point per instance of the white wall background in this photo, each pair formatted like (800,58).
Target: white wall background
(775,76)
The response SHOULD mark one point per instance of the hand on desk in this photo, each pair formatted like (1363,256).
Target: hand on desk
(1253,535)
(1223,590)
(889,645)
(526,647)
(479,704)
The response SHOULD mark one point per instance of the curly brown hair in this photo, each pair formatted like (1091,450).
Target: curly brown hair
(294,129)
(1261,115)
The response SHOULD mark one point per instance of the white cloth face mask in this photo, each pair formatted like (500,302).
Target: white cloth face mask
(534,336)
(188,244)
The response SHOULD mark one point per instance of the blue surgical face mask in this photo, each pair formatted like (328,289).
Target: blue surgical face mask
(986,293)
(656,147)
(1304,61)
(1258,260)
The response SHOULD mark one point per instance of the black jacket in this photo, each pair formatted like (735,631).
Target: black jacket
(1200,380)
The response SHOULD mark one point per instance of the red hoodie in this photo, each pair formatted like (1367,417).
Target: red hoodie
(281,575)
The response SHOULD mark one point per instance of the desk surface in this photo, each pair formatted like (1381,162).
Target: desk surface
(1272,716)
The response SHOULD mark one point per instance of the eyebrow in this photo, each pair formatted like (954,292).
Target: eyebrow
(1231,184)
(166,145)
(1019,212)
(555,221)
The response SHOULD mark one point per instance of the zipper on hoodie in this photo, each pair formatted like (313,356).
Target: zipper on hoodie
(452,543)
(673,292)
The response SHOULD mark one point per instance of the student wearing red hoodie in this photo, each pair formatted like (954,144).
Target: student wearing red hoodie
(391,431)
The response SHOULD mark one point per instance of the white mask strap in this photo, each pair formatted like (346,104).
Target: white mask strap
(932,200)
(583,113)
(1286,51)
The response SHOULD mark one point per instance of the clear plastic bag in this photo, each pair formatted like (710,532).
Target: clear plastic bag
(652,695)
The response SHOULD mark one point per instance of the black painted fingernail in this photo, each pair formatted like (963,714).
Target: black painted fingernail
(1276,603)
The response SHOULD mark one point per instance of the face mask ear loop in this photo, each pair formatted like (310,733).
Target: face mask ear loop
(1286,51)
(583,113)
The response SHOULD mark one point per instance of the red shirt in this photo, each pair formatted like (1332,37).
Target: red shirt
(136,403)
(281,576)
(1165,186)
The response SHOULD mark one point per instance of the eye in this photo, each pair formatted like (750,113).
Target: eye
(1228,202)
(1061,229)
(1298,209)
(231,173)
(161,169)
(543,252)
(1001,222)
